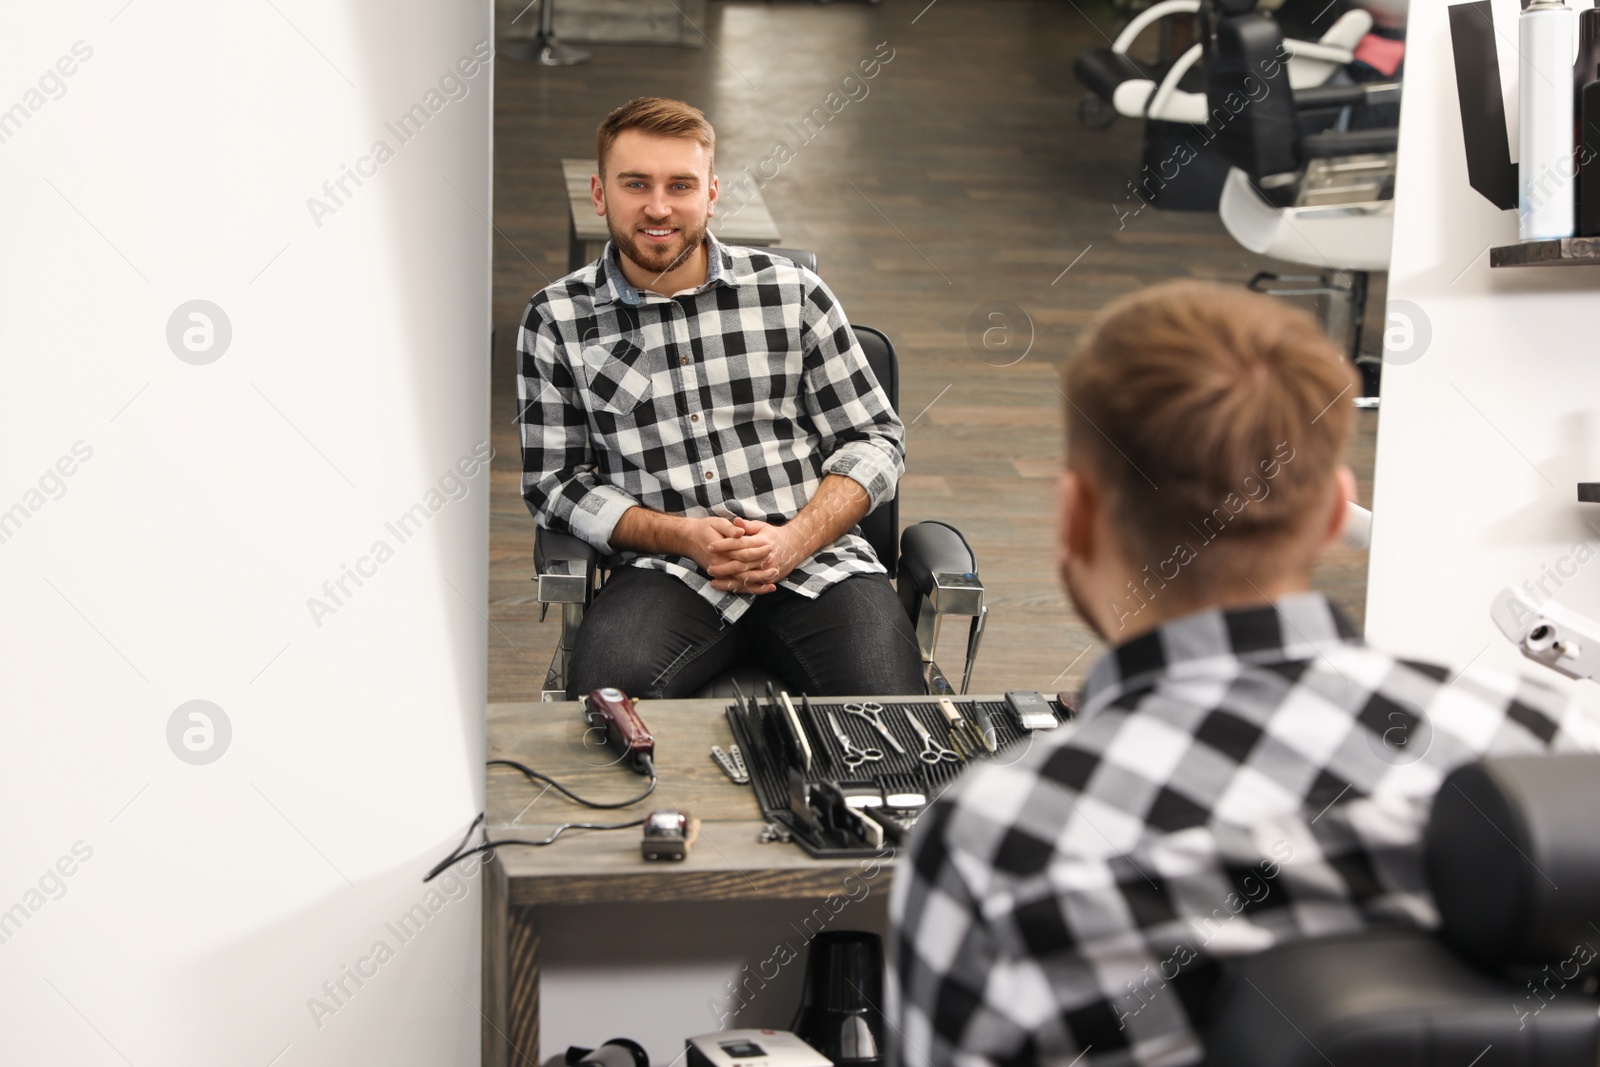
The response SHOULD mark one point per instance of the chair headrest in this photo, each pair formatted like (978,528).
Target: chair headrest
(1513,858)
(1253,121)
(801,257)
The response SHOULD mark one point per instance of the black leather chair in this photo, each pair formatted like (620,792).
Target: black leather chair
(1267,128)
(934,569)
(1513,859)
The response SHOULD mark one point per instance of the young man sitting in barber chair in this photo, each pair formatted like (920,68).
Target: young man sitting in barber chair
(703,415)
(1243,770)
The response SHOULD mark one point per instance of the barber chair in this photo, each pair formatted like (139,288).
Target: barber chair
(934,569)
(1513,859)
(1307,183)
(1174,92)
(1171,96)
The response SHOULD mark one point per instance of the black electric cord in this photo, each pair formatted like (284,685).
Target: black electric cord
(643,762)
(489,846)
(457,855)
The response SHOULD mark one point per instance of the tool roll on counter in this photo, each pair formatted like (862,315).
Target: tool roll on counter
(850,778)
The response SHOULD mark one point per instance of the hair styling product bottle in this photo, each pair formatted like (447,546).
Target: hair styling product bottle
(1589,157)
(1545,143)
(1588,49)
(1586,109)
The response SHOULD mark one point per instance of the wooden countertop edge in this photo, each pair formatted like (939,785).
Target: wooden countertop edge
(666,882)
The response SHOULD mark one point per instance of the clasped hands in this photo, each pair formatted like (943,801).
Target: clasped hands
(746,555)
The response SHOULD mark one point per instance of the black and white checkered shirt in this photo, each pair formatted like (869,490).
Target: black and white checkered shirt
(1234,780)
(734,398)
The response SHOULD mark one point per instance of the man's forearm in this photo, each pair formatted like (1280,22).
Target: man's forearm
(654,532)
(838,505)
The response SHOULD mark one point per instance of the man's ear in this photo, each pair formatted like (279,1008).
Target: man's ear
(597,193)
(712,192)
(1080,505)
(1344,493)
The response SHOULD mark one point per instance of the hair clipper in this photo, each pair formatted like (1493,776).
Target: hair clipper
(626,733)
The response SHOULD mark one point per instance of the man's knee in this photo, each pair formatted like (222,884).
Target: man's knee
(628,665)
(871,605)
(638,634)
(880,653)
(611,652)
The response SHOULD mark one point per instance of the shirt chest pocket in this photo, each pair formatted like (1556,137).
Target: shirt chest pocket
(618,376)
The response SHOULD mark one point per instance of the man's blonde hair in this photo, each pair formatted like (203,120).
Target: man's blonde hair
(660,116)
(1209,413)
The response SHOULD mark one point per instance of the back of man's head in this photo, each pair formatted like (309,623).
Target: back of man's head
(1210,418)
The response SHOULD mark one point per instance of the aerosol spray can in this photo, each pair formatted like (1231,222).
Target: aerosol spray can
(1545,131)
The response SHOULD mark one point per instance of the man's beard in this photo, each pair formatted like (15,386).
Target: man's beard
(653,257)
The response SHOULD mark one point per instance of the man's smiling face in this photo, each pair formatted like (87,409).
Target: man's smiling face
(657,195)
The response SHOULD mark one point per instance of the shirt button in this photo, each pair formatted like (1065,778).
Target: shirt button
(694,418)
(708,476)
(683,360)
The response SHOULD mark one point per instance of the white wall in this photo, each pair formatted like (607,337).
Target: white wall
(208,502)
(1483,437)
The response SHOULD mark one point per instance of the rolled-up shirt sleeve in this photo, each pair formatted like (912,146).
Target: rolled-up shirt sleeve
(862,436)
(560,482)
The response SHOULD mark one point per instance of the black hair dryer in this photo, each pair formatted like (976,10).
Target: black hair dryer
(841,1007)
(618,1052)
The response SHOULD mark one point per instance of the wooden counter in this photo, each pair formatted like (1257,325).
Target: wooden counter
(727,862)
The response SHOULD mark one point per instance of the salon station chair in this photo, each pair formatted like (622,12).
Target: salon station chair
(1513,860)
(934,569)
(1311,171)
(1175,91)
(1171,95)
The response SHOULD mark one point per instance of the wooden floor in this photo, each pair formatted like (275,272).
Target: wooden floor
(960,179)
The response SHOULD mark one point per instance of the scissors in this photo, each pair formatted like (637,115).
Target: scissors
(872,713)
(853,756)
(932,751)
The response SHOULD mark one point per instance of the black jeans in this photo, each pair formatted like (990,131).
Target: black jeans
(651,636)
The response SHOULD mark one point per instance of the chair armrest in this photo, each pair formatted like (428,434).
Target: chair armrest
(1157,105)
(1348,29)
(1316,50)
(937,560)
(1151,14)
(1331,96)
(564,566)
(1336,143)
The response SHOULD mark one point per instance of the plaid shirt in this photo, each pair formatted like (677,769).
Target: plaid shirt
(1234,780)
(734,398)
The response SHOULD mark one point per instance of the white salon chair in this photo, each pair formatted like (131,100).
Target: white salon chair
(1113,77)
(1344,237)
